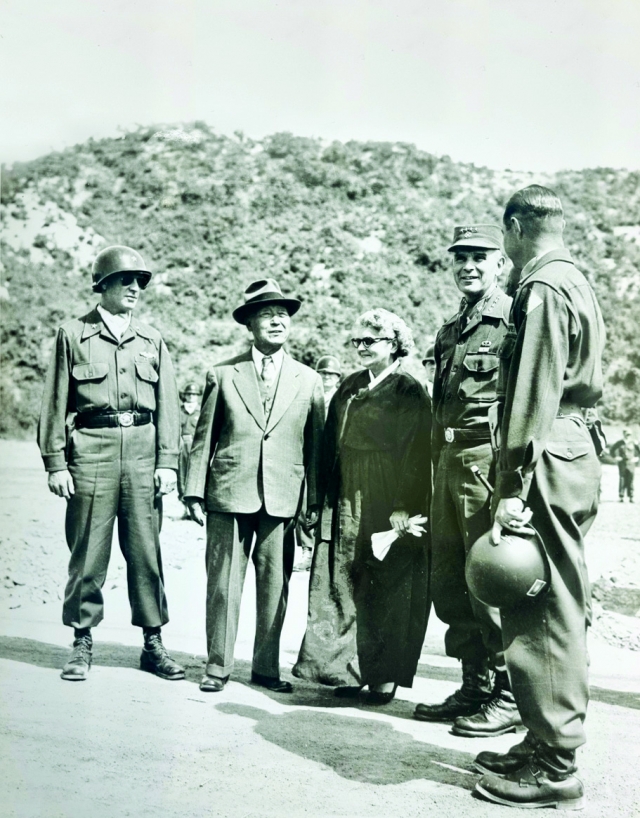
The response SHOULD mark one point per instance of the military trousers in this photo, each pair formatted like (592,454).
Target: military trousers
(112,471)
(546,640)
(460,514)
(232,539)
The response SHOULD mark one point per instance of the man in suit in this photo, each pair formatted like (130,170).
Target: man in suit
(257,440)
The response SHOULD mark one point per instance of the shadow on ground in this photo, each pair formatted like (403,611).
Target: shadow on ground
(305,694)
(372,752)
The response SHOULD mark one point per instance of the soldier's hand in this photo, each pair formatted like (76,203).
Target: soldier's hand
(196,512)
(310,520)
(511,513)
(61,483)
(164,481)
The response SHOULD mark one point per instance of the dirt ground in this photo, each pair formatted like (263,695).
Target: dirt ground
(125,743)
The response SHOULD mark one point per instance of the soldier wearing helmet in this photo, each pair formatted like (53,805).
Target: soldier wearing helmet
(189,414)
(109,437)
(464,390)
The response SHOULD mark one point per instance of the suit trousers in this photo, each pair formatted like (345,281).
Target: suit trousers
(112,471)
(229,547)
(546,640)
(460,514)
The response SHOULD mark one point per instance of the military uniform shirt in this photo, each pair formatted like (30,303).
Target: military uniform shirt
(91,372)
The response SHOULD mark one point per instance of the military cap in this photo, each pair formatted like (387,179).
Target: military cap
(118,259)
(261,293)
(486,236)
(190,389)
(329,363)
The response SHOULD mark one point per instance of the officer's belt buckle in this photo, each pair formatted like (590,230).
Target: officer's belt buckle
(449,434)
(125,419)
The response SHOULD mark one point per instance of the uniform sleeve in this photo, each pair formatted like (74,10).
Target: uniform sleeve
(313,444)
(52,428)
(204,440)
(167,413)
(534,388)
(414,446)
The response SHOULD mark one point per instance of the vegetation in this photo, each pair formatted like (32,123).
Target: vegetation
(343,226)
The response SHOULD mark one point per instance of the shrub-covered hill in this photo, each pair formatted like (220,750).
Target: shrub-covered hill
(344,226)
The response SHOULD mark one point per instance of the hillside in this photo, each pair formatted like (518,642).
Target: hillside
(344,226)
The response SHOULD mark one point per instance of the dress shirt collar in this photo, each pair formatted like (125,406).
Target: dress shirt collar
(116,324)
(278,358)
(375,380)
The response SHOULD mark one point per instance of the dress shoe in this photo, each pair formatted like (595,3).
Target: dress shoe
(497,716)
(155,659)
(475,691)
(272,683)
(79,663)
(212,684)
(381,697)
(530,787)
(505,763)
(347,692)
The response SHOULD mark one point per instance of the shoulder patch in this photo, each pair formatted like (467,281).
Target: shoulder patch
(533,301)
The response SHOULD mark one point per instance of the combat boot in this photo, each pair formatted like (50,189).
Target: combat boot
(155,659)
(79,663)
(475,691)
(497,716)
(504,763)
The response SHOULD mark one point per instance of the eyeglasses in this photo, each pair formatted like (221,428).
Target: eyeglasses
(367,342)
(127,279)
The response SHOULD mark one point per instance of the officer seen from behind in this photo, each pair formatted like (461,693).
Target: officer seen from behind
(464,390)
(109,436)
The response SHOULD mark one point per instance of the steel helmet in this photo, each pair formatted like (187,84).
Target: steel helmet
(190,389)
(329,363)
(510,573)
(117,259)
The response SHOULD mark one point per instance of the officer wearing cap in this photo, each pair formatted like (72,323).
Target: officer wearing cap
(109,435)
(256,444)
(551,373)
(464,390)
(189,413)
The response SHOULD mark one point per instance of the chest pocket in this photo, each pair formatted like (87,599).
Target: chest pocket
(91,385)
(479,377)
(146,380)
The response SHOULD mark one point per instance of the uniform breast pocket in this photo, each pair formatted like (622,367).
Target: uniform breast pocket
(91,385)
(479,377)
(146,380)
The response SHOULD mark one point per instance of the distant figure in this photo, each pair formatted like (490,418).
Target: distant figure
(626,451)
(189,414)
(330,371)
(429,364)
(111,375)
(257,440)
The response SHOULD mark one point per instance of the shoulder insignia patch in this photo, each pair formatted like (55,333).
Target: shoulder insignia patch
(533,302)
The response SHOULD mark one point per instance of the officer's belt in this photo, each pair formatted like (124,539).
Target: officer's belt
(455,435)
(105,419)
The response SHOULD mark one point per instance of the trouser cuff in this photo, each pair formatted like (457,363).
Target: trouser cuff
(557,762)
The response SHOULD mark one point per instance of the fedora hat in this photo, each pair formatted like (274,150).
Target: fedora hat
(260,294)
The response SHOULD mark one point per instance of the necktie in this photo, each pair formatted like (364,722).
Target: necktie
(268,371)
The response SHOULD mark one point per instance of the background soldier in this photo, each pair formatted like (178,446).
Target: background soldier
(189,414)
(113,374)
(429,364)
(552,367)
(330,371)
(626,451)
(466,356)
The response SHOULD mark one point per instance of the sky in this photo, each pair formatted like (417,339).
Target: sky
(536,85)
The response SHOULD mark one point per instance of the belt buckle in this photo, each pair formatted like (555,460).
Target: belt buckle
(449,434)
(125,419)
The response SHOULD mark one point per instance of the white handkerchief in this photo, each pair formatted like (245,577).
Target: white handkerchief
(382,541)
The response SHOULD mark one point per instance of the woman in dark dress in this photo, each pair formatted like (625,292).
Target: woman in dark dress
(368,617)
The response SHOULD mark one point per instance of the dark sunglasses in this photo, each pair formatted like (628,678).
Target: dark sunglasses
(127,279)
(367,342)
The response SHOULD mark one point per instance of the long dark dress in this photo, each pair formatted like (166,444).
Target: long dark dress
(367,618)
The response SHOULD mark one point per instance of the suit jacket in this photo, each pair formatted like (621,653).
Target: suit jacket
(239,458)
